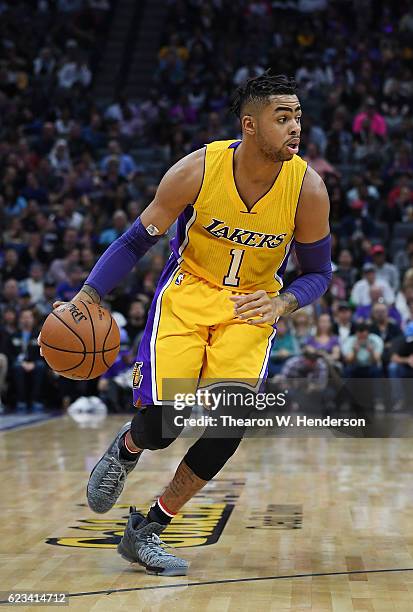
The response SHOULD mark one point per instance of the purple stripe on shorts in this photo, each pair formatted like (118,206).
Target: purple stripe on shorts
(144,392)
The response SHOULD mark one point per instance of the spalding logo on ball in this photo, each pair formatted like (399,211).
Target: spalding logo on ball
(80,340)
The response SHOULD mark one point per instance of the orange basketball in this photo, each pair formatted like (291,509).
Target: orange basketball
(80,340)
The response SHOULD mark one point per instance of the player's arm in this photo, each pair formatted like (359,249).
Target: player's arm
(313,251)
(178,188)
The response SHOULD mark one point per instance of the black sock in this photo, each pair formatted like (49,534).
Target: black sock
(157,514)
(124,453)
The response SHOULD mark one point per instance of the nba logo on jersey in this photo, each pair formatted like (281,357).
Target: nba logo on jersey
(137,376)
(179,278)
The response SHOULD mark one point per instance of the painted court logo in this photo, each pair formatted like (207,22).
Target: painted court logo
(197,525)
(200,523)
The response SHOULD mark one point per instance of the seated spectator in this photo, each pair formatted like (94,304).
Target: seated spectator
(337,287)
(362,192)
(10,295)
(119,226)
(3,366)
(111,385)
(364,312)
(385,328)
(302,326)
(346,270)
(135,322)
(306,378)
(361,293)
(318,163)
(12,267)
(26,365)
(127,164)
(370,121)
(385,270)
(45,306)
(403,259)
(358,225)
(343,326)
(284,347)
(401,365)
(405,294)
(67,290)
(34,284)
(362,353)
(324,341)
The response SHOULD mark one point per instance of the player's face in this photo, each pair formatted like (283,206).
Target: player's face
(278,128)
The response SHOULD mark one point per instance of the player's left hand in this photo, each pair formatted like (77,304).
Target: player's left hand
(258,304)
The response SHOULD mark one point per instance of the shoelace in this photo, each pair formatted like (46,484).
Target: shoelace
(157,549)
(113,476)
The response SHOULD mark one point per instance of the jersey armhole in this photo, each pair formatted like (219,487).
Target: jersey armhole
(202,181)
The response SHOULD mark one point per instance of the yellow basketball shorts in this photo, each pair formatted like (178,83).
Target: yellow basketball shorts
(193,339)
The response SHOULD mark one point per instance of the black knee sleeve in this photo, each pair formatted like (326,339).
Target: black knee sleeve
(153,427)
(209,455)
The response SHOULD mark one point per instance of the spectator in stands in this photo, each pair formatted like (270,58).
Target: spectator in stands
(10,295)
(34,284)
(136,321)
(45,305)
(385,328)
(403,259)
(401,365)
(343,326)
(285,347)
(318,163)
(302,326)
(3,366)
(346,270)
(324,341)
(385,270)
(11,267)
(118,226)
(306,378)
(363,312)
(370,121)
(111,385)
(362,353)
(361,293)
(27,366)
(127,164)
(68,289)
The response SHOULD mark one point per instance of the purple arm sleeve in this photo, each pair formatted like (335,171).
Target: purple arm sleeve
(315,263)
(119,259)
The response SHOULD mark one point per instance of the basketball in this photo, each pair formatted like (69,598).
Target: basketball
(80,340)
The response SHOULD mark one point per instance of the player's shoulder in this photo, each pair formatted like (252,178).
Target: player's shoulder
(313,184)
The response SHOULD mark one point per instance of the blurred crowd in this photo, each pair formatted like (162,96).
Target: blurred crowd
(76,171)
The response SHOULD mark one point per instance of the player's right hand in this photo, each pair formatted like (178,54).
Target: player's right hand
(81,295)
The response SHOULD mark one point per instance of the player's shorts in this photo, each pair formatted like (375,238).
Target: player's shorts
(192,337)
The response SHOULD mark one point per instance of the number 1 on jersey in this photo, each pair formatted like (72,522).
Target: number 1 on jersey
(232,279)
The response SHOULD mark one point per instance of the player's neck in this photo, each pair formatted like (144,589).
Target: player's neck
(250,162)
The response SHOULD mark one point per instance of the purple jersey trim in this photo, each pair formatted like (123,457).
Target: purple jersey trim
(144,393)
(234,145)
(185,220)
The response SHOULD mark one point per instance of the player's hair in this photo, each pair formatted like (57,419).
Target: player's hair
(260,88)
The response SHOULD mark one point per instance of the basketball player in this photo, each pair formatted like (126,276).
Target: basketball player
(240,206)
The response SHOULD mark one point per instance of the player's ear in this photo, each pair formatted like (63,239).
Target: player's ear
(248,124)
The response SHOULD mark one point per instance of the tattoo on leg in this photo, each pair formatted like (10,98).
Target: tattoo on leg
(182,487)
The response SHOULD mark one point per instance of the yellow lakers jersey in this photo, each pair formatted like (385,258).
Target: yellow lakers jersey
(220,240)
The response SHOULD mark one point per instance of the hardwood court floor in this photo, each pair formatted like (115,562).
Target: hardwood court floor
(291,520)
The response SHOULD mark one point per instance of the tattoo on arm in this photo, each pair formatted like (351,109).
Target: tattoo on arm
(92,293)
(290,302)
(182,487)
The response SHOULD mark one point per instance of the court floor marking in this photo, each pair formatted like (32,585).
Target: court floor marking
(231,581)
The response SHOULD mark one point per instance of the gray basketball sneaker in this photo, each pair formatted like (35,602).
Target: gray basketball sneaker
(107,478)
(141,544)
